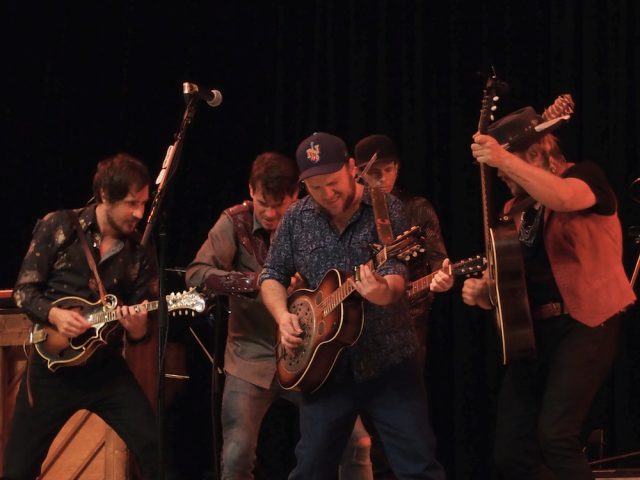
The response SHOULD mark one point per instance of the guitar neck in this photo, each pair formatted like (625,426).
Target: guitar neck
(485,192)
(419,285)
(341,293)
(423,283)
(486,116)
(113,315)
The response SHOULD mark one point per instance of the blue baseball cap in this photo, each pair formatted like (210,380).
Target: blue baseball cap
(321,153)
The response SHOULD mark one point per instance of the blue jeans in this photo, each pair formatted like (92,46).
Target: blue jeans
(396,402)
(244,406)
(543,403)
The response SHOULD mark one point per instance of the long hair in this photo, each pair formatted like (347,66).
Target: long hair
(549,147)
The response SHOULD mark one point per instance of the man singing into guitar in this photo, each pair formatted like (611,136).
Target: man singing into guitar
(571,241)
(328,231)
(57,268)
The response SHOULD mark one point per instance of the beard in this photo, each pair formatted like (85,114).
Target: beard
(347,200)
(119,229)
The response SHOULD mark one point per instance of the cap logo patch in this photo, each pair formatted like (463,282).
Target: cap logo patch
(313,153)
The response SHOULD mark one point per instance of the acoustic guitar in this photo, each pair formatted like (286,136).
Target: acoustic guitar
(330,322)
(505,266)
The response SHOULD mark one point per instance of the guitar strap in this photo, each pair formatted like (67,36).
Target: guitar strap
(381,216)
(90,259)
(380,211)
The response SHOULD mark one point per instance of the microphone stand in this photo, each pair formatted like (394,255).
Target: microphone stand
(169,166)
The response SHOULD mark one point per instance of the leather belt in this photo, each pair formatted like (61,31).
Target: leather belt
(548,310)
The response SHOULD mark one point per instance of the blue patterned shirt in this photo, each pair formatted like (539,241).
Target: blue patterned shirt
(307,242)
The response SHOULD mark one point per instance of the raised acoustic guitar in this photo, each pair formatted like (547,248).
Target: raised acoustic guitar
(507,284)
(330,321)
(60,351)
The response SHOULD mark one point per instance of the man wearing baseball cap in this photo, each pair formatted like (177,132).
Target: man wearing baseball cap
(333,228)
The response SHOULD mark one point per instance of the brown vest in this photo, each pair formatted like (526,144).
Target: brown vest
(585,253)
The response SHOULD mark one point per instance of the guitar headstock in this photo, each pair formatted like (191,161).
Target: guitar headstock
(190,300)
(404,247)
(469,266)
(562,107)
(363,173)
(489,102)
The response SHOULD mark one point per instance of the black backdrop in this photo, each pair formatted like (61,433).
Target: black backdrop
(83,81)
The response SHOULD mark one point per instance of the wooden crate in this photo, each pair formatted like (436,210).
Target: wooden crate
(88,449)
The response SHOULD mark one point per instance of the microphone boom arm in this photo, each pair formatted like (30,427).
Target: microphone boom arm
(168,168)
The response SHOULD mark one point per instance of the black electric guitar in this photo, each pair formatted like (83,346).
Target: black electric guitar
(60,351)
(329,321)
(468,266)
(507,284)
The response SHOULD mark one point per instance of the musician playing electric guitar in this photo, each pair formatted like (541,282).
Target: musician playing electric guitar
(56,267)
(332,229)
(571,241)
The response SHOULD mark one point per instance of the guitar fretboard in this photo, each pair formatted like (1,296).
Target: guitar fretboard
(349,286)
(113,315)
(419,285)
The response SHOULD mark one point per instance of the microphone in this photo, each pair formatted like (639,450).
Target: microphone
(212,97)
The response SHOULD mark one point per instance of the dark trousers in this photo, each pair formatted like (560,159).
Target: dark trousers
(106,387)
(396,402)
(543,403)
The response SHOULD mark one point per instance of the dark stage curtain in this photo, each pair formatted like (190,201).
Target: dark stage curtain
(85,81)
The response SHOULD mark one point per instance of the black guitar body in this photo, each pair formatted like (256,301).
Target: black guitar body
(508,293)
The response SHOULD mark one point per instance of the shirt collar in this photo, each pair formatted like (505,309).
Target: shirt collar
(256,223)
(88,218)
